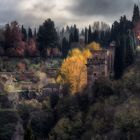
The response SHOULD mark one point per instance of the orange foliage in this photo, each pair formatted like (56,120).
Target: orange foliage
(95,46)
(74,71)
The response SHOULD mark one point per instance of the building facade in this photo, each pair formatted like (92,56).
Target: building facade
(101,64)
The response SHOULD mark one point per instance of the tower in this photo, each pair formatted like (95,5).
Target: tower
(97,66)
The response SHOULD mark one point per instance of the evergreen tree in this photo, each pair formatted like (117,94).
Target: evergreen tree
(95,36)
(130,49)
(30,34)
(65,47)
(82,32)
(71,38)
(119,58)
(136,14)
(8,37)
(67,28)
(47,35)
(89,35)
(115,31)
(35,34)
(76,34)
(124,54)
(24,33)
(86,35)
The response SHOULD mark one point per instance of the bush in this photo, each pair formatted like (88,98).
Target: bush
(8,121)
(127,116)
(102,88)
(41,123)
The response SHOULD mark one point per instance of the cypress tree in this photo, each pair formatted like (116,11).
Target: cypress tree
(65,47)
(35,34)
(24,33)
(86,35)
(71,38)
(136,14)
(76,34)
(130,49)
(119,58)
(30,34)
(89,35)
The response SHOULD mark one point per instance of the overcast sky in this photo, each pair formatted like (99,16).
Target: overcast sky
(63,12)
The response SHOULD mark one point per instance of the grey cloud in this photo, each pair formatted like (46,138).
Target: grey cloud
(44,7)
(101,7)
(80,11)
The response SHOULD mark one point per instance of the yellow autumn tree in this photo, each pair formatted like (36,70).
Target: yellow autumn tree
(94,46)
(73,71)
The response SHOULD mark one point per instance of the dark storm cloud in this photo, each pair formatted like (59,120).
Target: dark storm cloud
(101,7)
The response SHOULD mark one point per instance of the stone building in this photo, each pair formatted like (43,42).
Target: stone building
(101,64)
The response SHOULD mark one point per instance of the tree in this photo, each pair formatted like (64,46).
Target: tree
(129,50)
(95,36)
(76,34)
(31,48)
(89,35)
(28,134)
(35,33)
(61,131)
(41,123)
(71,38)
(65,47)
(136,14)
(121,33)
(13,34)
(47,35)
(94,46)
(68,129)
(8,123)
(24,33)
(86,35)
(15,46)
(74,71)
(30,34)
(115,31)
(119,64)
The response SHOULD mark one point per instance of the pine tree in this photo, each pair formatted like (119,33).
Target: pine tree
(47,35)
